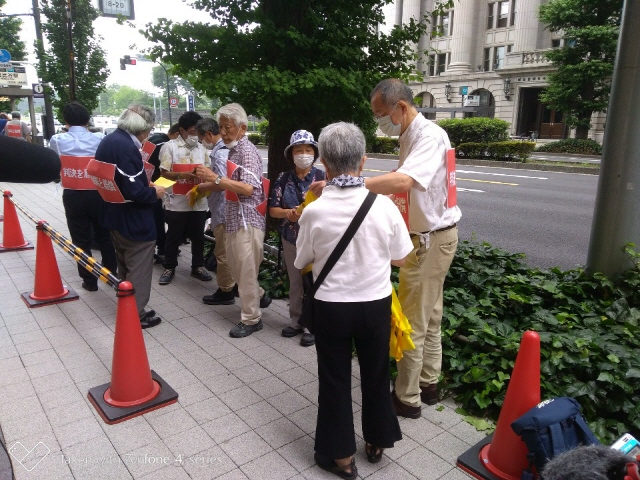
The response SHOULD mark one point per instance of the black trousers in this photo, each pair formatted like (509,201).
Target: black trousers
(161,234)
(179,225)
(368,325)
(82,209)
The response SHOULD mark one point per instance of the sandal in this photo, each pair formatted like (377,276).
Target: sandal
(374,454)
(330,465)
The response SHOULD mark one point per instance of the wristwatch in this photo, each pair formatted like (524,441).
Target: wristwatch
(218,180)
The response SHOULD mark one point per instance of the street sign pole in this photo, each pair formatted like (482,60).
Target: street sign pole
(48,110)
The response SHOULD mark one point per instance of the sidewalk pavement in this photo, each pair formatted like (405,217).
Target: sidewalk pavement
(246,408)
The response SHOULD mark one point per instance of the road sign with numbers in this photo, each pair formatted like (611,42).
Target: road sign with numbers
(116,8)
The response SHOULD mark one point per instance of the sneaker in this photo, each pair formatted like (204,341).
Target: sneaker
(220,297)
(244,330)
(290,331)
(265,301)
(167,276)
(307,340)
(201,274)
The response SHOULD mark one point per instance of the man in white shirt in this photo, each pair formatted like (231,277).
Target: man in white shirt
(82,202)
(178,158)
(422,171)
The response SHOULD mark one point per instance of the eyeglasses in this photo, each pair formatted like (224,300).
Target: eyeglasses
(378,117)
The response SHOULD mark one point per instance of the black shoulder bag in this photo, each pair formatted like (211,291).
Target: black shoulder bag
(307,315)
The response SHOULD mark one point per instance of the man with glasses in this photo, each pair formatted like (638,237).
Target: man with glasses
(422,172)
(178,158)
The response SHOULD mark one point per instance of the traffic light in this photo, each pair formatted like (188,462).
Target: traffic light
(127,60)
(122,64)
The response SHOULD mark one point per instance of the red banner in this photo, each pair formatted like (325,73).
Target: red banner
(452,189)
(402,202)
(183,185)
(14,131)
(233,197)
(102,174)
(73,173)
(146,152)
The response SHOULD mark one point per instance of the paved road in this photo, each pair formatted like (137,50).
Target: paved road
(546,215)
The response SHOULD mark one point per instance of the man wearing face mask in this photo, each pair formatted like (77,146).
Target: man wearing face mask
(422,172)
(244,222)
(178,158)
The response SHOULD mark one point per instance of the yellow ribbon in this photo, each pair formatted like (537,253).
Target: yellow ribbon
(400,329)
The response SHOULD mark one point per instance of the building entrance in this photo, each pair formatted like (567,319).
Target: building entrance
(536,120)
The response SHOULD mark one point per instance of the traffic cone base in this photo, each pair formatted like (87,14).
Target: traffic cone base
(26,246)
(115,414)
(33,302)
(471,463)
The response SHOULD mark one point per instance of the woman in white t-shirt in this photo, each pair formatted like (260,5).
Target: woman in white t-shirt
(353,304)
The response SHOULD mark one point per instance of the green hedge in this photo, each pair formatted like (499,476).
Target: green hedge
(589,328)
(572,145)
(256,138)
(510,151)
(384,145)
(475,130)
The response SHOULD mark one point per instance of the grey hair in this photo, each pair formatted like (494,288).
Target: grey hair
(342,147)
(235,113)
(136,119)
(16,114)
(392,90)
(207,124)
(593,462)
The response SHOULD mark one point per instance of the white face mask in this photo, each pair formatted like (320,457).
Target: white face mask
(303,161)
(232,144)
(387,126)
(191,141)
(207,145)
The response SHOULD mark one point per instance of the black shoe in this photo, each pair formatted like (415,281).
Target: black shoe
(158,259)
(265,301)
(429,394)
(235,291)
(243,330)
(148,322)
(220,297)
(374,454)
(148,314)
(307,340)
(404,410)
(290,331)
(330,465)
(167,276)
(90,287)
(201,274)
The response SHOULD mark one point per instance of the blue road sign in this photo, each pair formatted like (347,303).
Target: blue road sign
(5,56)
(191,102)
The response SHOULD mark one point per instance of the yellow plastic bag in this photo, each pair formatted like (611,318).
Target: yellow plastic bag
(195,194)
(400,329)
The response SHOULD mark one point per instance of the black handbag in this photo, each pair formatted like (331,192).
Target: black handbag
(307,316)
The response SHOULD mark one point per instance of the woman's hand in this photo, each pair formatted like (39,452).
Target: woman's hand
(293,215)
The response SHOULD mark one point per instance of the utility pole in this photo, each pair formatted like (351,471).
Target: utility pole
(615,220)
(166,73)
(48,111)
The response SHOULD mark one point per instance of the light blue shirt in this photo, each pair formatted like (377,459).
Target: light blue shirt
(216,200)
(78,142)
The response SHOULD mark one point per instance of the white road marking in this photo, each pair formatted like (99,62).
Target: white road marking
(500,174)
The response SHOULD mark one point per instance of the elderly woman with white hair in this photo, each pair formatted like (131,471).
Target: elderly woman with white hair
(131,224)
(353,303)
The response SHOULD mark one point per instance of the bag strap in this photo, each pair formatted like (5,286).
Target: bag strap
(557,440)
(344,241)
(587,435)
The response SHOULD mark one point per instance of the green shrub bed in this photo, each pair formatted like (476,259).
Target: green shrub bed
(475,130)
(509,151)
(572,145)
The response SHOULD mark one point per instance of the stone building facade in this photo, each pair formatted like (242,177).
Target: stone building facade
(489,58)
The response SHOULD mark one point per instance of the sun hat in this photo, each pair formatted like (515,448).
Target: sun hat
(301,137)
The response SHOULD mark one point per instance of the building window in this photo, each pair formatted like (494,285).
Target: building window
(491,8)
(513,12)
(498,59)
(555,43)
(432,65)
(442,25)
(442,63)
(503,14)
(487,60)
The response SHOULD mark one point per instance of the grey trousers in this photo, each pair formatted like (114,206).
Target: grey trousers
(135,265)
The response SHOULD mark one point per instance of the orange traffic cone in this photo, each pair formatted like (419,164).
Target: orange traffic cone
(48,286)
(503,455)
(12,238)
(134,388)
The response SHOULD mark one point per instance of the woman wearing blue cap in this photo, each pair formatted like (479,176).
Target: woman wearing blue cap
(287,193)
